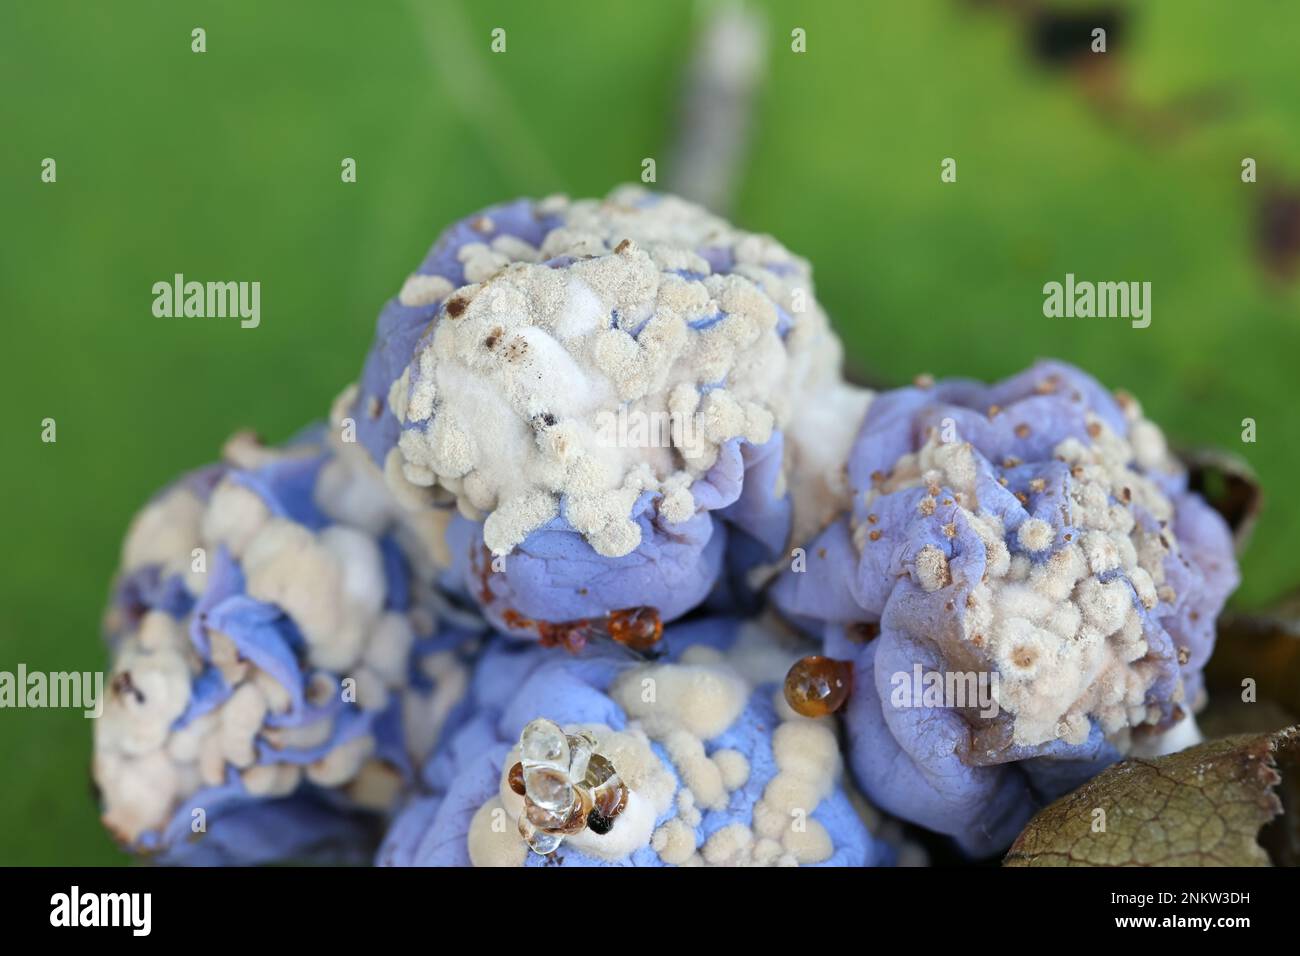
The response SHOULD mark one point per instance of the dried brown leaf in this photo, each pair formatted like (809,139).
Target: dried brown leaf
(1205,806)
(1262,648)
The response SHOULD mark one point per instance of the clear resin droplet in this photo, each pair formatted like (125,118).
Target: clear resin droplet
(608,793)
(543,819)
(567,787)
(611,799)
(599,769)
(577,821)
(543,742)
(549,788)
(581,746)
(539,841)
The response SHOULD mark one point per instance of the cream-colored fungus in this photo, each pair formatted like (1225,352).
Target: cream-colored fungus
(516,390)
(355,491)
(1068,646)
(331,582)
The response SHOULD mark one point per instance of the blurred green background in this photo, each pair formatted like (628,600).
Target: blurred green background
(226,165)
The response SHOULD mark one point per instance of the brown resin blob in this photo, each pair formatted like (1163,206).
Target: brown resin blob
(637,628)
(517,779)
(818,686)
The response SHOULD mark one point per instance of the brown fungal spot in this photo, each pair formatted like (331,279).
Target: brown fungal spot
(623,246)
(456,307)
(862,632)
(1022,430)
(480,560)
(874,535)
(122,685)
(319,692)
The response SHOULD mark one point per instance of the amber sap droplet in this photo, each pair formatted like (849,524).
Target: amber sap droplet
(516,779)
(609,803)
(570,635)
(576,821)
(817,686)
(636,627)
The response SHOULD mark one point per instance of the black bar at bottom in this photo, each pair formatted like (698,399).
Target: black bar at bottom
(336,905)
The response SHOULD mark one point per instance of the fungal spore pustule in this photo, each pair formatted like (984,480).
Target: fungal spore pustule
(596,385)
(279,666)
(1038,533)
